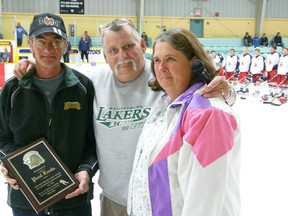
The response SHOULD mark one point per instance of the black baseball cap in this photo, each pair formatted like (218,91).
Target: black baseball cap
(47,23)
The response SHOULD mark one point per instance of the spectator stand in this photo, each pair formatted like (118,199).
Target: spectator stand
(223,45)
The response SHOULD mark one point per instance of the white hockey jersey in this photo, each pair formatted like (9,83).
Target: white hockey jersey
(257,64)
(272,61)
(283,65)
(232,63)
(245,62)
(219,61)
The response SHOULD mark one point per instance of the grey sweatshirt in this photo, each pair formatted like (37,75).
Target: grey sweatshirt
(120,111)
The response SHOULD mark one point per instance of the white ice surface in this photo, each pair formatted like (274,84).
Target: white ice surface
(264,168)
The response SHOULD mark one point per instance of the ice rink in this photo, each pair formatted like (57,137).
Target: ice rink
(264,168)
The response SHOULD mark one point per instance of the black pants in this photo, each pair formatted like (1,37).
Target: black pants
(66,57)
(86,55)
(84,210)
(19,42)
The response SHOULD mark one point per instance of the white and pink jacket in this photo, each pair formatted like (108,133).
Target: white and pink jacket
(187,161)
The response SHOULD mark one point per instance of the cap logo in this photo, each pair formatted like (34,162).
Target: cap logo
(49,21)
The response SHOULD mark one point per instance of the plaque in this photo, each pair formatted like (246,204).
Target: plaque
(41,175)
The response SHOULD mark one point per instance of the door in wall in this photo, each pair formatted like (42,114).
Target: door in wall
(196,26)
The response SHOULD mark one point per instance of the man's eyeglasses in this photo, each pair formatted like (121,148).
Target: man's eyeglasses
(43,43)
(115,24)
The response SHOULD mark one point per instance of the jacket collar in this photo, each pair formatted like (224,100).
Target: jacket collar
(186,96)
(69,78)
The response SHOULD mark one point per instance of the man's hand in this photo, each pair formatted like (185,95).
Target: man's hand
(8,178)
(22,67)
(217,87)
(83,178)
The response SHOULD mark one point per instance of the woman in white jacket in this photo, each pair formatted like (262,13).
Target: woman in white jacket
(188,155)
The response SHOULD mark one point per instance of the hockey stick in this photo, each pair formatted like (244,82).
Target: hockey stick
(249,76)
(249,82)
(276,96)
(268,81)
(232,77)
(264,83)
(279,99)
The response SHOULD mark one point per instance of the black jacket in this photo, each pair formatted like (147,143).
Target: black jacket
(278,40)
(25,116)
(264,41)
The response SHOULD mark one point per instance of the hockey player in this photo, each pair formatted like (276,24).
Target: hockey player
(244,66)
(219,62)
(231,65)
(257,69)
(272,60)
(282,72)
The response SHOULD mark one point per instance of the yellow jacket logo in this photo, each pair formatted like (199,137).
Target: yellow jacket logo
(72,105)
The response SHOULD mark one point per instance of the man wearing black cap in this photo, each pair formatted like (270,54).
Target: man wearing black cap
(55,102)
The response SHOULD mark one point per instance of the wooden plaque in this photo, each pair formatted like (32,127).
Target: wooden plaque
(41,175)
